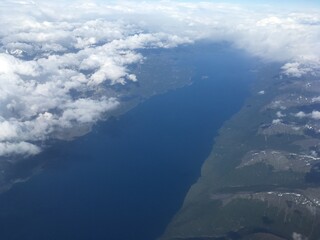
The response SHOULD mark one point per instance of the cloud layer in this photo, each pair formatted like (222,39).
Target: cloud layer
(58,60)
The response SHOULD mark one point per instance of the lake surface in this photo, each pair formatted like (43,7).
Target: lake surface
(128,177)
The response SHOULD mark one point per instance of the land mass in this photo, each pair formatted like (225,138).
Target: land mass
(262,178)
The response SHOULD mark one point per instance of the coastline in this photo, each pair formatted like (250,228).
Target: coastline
(219,182)
(262,176)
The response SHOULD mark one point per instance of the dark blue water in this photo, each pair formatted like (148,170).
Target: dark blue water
(126,179)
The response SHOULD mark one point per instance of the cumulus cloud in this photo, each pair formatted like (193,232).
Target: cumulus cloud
(58,58)
(280,114)
(299,69)
(20,148)
(314,115)
(301,114)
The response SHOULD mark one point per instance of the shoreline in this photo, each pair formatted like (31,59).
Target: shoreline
(261,173)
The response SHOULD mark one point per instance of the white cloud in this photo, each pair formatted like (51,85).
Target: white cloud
(280,114)
(21,148)
(86,110)
(45,57)
(296,69)
(293,69)
(316,99)
(276,121)
(315,115)
(301,114)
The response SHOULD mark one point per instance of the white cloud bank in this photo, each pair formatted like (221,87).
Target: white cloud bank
(58,58)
